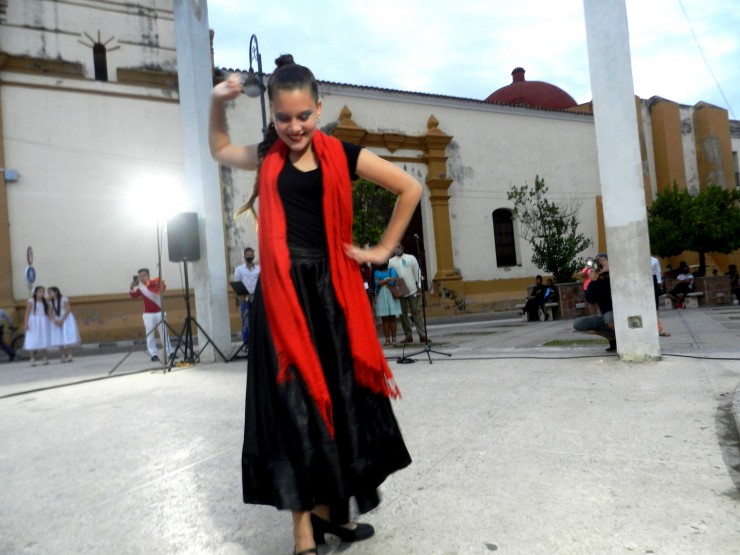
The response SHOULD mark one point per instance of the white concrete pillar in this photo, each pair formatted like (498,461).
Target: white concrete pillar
(620,170)
(202,174)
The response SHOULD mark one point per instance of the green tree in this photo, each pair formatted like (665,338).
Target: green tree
(706,222)
(551,229)
(372,206)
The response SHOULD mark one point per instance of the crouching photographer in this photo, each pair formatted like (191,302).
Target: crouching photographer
(599,292)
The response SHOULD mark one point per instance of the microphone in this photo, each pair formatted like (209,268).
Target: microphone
(416,236)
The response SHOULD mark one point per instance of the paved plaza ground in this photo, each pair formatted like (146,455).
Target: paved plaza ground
(526,440)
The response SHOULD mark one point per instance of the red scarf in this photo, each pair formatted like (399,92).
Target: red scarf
(288,326)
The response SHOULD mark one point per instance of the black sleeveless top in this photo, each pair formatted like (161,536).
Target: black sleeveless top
(301,194)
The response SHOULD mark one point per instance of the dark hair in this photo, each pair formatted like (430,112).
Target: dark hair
(288,76)
(56,304)
(43,299)
(143,270)
(538,278)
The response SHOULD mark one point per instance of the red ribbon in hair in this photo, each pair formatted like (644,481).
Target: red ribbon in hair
(289,329)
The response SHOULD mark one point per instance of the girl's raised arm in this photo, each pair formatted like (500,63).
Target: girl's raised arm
(242,157)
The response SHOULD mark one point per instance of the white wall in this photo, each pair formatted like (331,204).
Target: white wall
(80,156)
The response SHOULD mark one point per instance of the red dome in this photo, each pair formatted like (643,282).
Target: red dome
(537,94)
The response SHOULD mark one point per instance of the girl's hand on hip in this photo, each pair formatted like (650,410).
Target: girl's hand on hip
(375,255)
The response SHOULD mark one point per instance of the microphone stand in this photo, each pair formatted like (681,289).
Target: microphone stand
(407,359)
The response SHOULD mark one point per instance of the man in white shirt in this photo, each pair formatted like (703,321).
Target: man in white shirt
(407,267)
(248,273)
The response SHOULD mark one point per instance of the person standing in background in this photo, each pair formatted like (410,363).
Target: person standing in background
(387,307)
(407,268)
(37,326)
(658,285)
(248,273)
(150,291)
(657,279)
(64,331)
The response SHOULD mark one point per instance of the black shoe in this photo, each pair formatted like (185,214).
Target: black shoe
(155,358)
(547,317)
(321,527)
(612,346)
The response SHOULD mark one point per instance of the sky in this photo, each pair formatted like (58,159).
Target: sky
(682,50)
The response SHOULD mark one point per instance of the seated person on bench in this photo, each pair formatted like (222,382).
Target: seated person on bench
(535,301)
(684,286)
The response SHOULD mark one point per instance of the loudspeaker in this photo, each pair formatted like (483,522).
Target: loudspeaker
(183,238)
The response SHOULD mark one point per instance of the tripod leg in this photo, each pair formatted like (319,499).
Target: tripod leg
(235,355)
(209,341)
(180,337)
(184,340)
(134,347)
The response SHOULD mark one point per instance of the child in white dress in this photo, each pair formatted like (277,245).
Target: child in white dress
(64,331)
(37,326)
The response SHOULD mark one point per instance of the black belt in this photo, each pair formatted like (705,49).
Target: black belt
(299,251)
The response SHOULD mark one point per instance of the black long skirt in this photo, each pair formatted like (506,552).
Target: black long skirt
(289,460)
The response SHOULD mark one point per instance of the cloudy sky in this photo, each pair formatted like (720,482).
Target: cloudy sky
(683,50)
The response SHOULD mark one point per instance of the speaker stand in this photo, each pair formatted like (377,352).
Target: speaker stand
(185,338)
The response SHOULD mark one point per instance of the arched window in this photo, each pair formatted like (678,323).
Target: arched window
(503,235)
(100,61)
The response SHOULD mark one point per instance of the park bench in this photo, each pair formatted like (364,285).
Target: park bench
(548,310)
(692,300)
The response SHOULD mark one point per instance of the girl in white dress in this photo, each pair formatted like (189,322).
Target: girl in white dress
(37,326)
(64,331)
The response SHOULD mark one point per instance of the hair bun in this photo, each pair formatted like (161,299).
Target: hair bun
(284,60)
